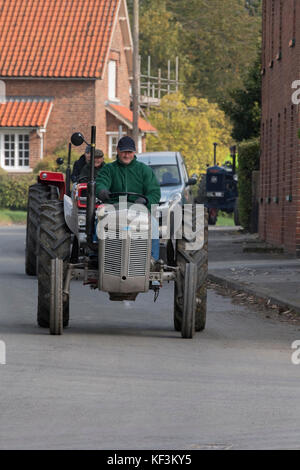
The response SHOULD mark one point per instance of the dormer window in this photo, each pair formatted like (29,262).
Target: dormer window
(112,80)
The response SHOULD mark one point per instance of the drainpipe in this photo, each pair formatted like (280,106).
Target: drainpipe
(40,132)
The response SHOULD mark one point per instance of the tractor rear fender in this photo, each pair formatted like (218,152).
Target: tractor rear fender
(54,179)
(71,215)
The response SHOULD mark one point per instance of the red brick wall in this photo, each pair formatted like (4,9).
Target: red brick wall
(34,149)
(73,107)
(103,121)
(279,221)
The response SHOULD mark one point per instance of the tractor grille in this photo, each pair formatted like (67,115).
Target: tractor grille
(113,254)
(138,254)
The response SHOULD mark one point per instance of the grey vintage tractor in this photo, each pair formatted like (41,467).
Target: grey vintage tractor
(113,255)
(218,190)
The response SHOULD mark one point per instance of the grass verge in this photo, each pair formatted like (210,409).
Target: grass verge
(225,220)
(8,217)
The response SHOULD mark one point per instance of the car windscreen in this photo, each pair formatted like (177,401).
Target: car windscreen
(167,175)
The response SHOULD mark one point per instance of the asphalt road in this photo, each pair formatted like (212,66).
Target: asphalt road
(121,378)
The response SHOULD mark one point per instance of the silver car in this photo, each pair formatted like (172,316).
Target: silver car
(171,173)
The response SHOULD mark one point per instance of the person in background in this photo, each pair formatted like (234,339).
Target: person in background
(80,163)
(99,163)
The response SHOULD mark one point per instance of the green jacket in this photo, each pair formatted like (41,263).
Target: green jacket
(135,178)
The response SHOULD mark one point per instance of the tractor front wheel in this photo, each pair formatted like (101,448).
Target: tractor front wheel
(55,242)
(184,257)
(56,297)
(189,301)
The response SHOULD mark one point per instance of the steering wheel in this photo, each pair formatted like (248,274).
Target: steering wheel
(130,194)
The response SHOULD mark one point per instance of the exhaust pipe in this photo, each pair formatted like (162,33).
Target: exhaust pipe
(91,196)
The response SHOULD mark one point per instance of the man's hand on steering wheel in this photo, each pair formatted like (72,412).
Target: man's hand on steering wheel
(104,195)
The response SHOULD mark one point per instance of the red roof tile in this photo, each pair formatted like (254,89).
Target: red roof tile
(127,115)
(55,38)
(25,113)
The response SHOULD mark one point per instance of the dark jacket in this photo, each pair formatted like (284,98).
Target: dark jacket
(85,172)
(77,167)
(135,177)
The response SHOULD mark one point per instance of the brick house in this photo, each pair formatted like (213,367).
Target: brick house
(65,66)
(279,220)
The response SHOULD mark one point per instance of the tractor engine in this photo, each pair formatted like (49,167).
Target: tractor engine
(124,251)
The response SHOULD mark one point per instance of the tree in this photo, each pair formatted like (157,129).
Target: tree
(190,126)
(220,40)
(254,7)
(160,38)
(215,41)
(244,105)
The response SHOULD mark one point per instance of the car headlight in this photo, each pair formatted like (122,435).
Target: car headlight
(177,197)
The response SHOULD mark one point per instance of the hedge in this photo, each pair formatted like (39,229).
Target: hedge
(49,162)
(249,152)
(14,190)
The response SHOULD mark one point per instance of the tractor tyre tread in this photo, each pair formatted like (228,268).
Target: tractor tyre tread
(38,194)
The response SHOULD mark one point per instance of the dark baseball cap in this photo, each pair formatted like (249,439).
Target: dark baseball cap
(126,144)
(99,153)
(88,149)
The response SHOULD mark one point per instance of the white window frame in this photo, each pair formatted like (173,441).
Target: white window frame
(110,145)
(140,144)
(16,168)
(112,80)
(116,135)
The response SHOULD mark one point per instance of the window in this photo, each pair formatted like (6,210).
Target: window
(9,150)
(23,150)
(14,149)
(112,145)
(140,144)
(167,175)
(112,80)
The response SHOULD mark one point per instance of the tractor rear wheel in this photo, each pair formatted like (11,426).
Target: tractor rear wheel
(38,194)
(55,242)
(189,301)
(202,263)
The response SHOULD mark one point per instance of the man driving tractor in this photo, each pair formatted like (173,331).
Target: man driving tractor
(127,174)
